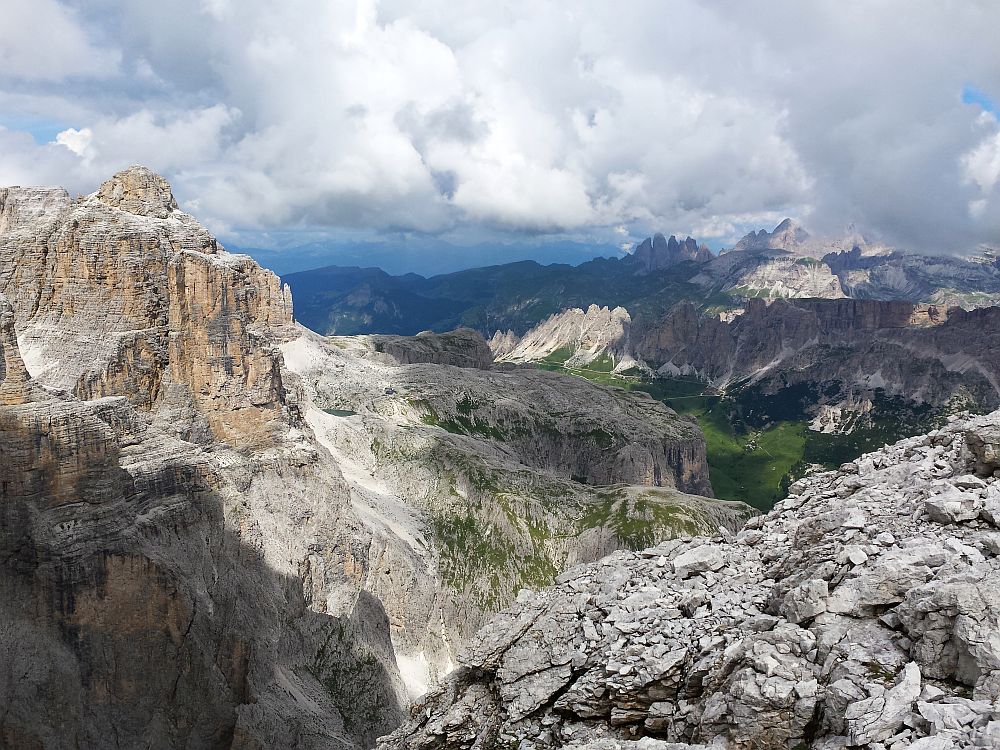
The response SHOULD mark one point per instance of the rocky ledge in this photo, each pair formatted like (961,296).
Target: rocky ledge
(462,347)
(862,612)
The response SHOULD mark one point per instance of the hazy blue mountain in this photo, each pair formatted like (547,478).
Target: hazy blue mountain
(350,300)
(426,256)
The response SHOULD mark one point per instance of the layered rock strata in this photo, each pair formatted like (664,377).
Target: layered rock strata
(580,335)
(923,353)
(152,594)
(197,537)
(119,292)
(657,253)
(494,480)
(460,348)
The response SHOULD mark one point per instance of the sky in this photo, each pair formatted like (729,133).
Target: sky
(521,121)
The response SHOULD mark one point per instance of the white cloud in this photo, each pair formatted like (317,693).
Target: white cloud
(982,164)
(77,141)
(688,117)
(43,40)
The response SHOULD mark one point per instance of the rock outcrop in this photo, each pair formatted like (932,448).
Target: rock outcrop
(503,343)
(151,593)
(861,612)
(788,235)
(844,348)
(16,386)
(121,293)
(657,253)
(205,545)
(475,483)
(462,347)
(788,262)
(918,352)
(582,336)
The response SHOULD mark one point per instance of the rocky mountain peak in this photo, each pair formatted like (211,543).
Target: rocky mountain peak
(140,191)
(658,252)
(788,235)
(111,301)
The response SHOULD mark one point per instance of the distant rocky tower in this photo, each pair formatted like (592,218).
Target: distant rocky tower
(656,253)
(137,298)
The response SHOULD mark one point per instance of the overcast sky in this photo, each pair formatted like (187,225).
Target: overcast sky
(594,120)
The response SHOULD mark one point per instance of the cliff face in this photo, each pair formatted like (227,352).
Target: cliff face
(569,427)
(149,594)
(861,612)
(462,347)
(477,483)
(582,335)
(923,353)
(788,262)
(657,252)
(121,293)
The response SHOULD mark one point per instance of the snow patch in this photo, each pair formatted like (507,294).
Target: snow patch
(416,673)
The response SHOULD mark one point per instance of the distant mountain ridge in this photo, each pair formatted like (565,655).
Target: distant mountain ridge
(427,256)
(786,262)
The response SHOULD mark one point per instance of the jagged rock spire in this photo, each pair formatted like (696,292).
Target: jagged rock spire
(15,383)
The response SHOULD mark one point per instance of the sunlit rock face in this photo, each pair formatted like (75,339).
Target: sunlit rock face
(119,292)
(152,594)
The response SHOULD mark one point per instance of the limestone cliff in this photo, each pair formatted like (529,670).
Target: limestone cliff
(492,481)
(119,292)
(151,595)
(580,336)
(788,262)
(923,353)
(861,612)
(462,347)
(502,343)
(657,253)
(919,352)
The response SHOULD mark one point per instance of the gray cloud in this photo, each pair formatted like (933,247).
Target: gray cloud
(522,117)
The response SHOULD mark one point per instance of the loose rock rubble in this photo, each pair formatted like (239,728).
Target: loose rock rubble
(862,612)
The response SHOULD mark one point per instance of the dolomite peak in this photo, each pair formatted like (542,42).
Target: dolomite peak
(140,191)
(121,293)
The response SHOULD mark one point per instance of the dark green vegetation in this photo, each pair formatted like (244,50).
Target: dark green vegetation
(501,531)
(759,443)
(340,412)
(349,301)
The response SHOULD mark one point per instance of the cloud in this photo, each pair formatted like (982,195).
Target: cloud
(516,117)
(42,40)
(77,141)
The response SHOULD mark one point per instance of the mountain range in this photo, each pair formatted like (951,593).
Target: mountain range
(428,255)
(660,272)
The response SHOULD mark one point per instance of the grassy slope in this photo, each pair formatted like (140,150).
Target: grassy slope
(498,528)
